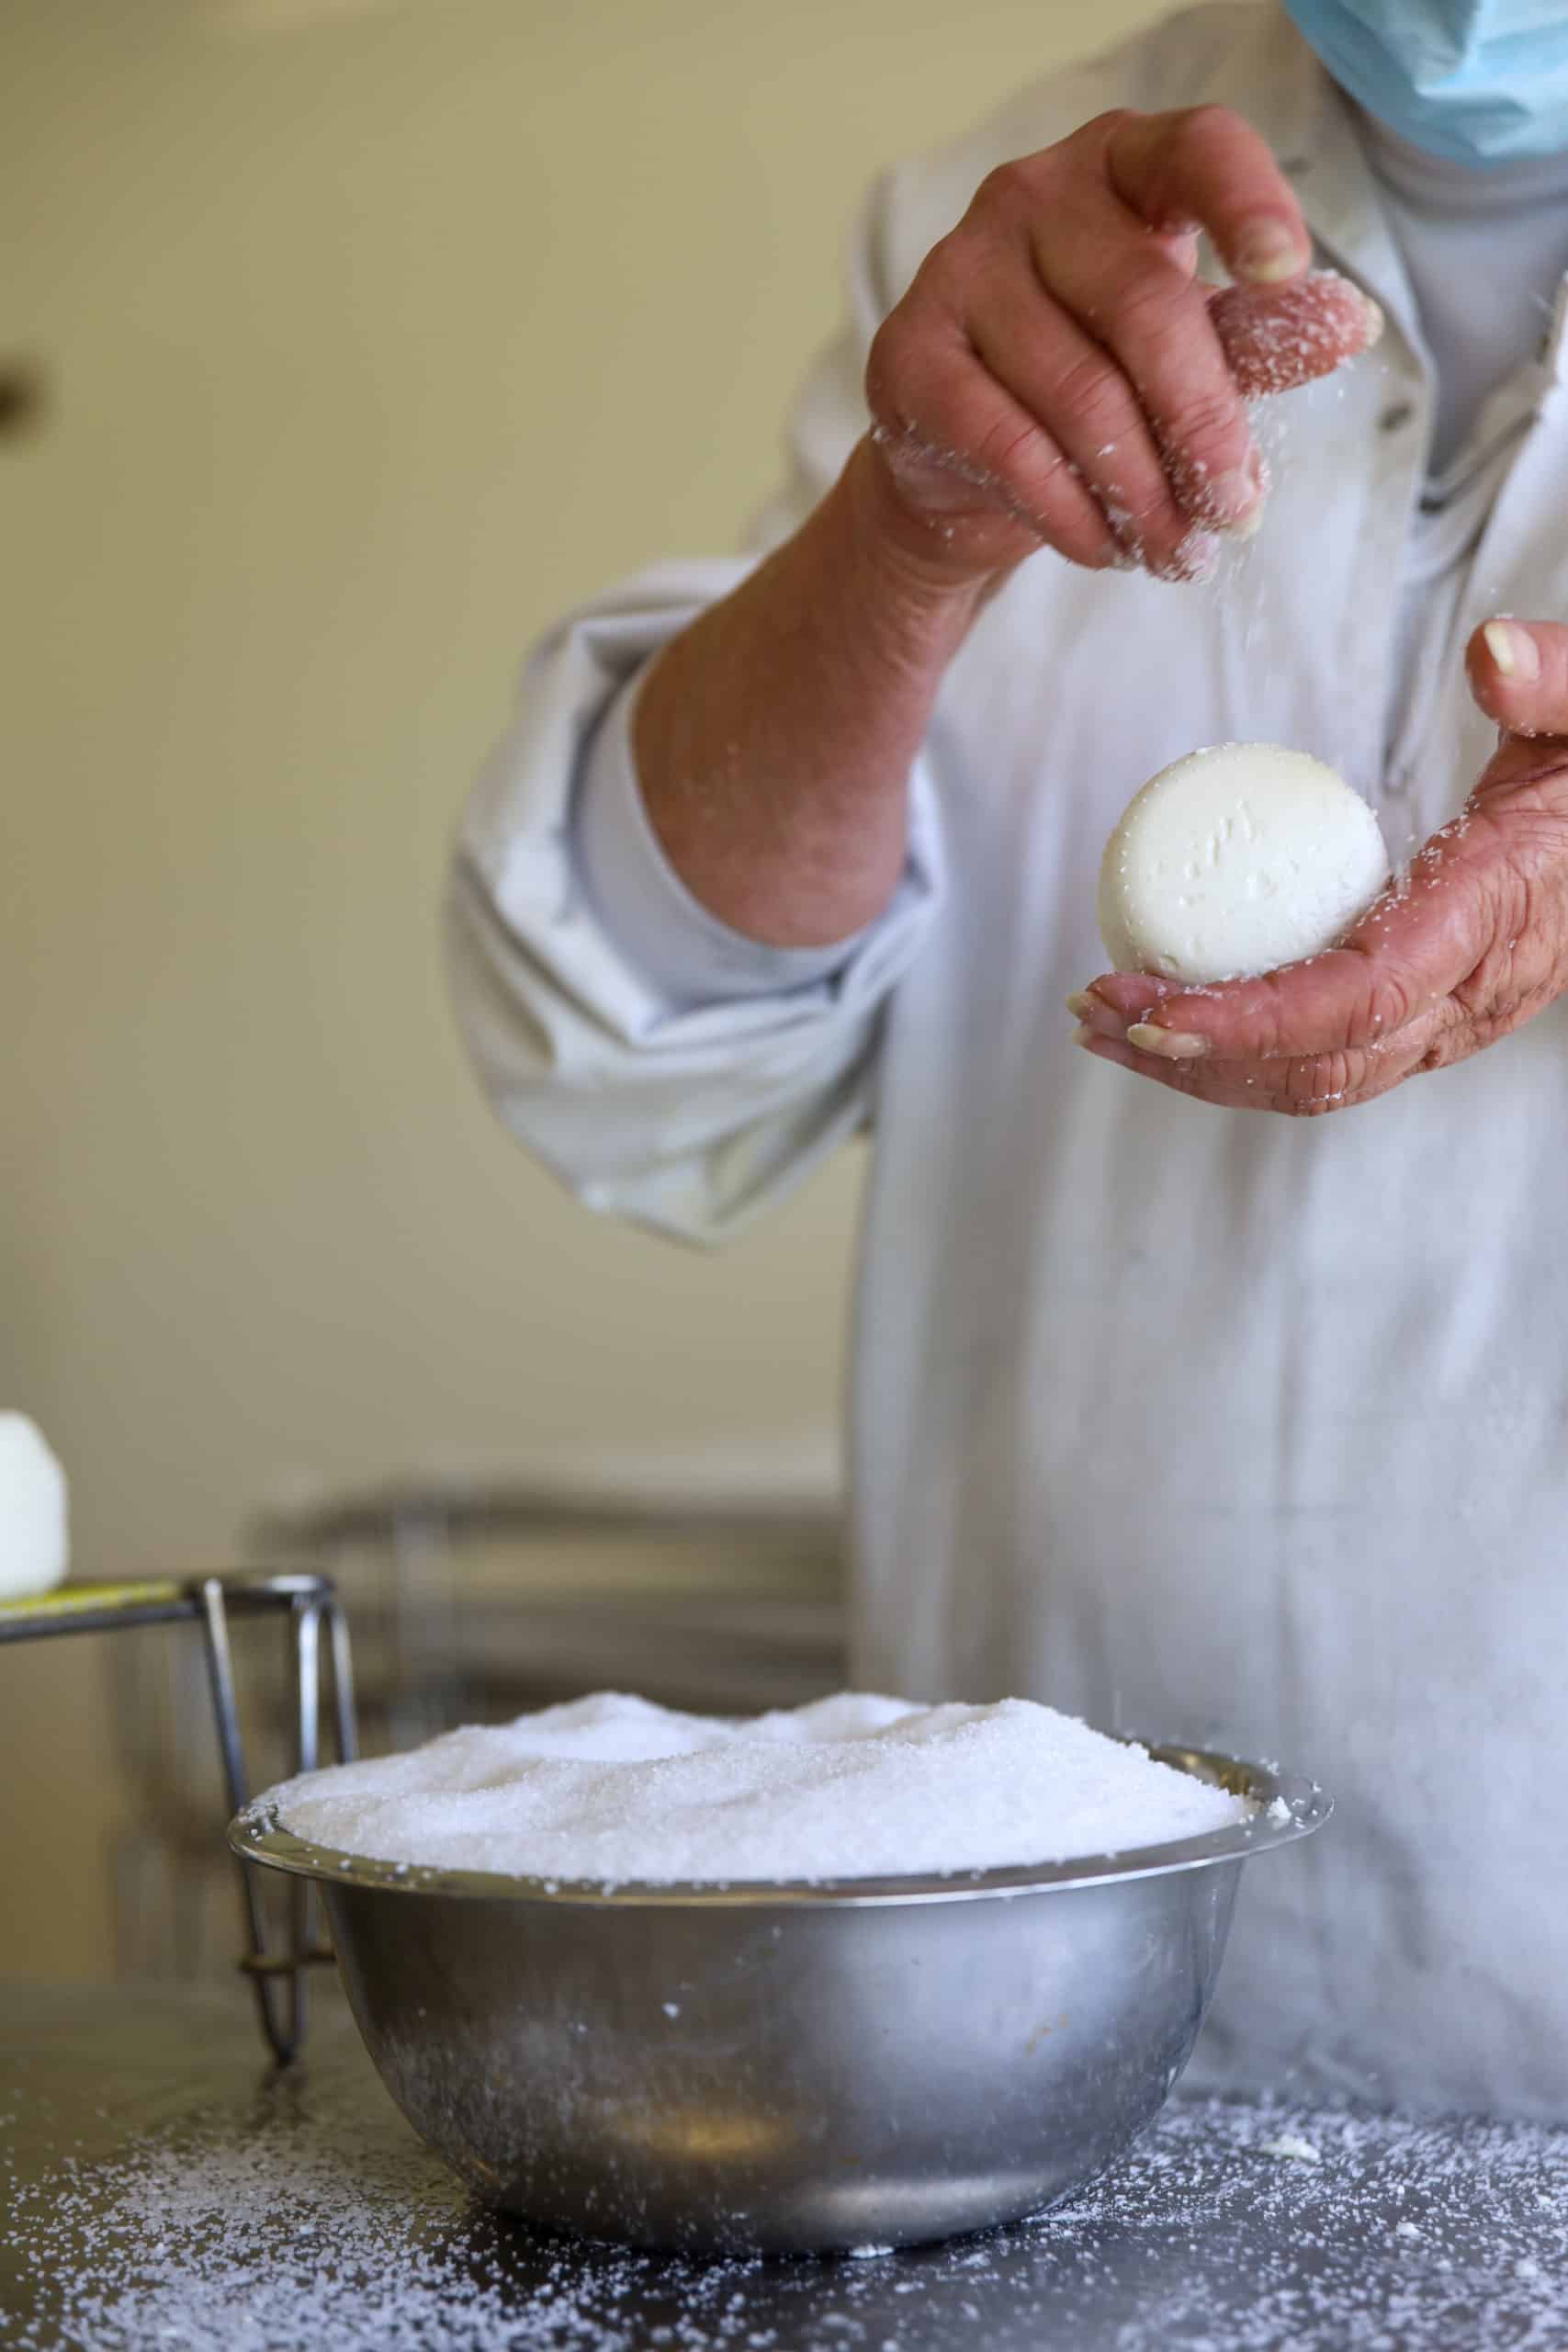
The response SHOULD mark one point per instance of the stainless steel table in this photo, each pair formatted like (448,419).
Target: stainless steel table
(163,2191)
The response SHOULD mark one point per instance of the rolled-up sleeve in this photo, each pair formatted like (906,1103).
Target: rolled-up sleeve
(668,1068)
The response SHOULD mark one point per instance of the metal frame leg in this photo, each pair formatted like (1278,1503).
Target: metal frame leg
(342,1663)
(282,2022)
(309,1600)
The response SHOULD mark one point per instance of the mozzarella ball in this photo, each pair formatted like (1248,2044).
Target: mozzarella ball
(1235,859)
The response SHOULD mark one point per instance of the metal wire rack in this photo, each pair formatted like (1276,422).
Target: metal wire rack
(309,1603)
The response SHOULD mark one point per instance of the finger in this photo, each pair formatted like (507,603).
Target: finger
(1052,369)
(1230,1086)
(1518,673)
(1308,1082)
(1299,1088)
(1408,952)
(1275,337)
(1204,164)
(1220,1091)
(1140,306)
(961,449)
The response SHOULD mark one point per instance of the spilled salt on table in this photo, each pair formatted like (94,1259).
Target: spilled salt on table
(297,2214)
(612,1788)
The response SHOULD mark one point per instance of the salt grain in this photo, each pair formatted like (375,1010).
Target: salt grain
(1289,2144)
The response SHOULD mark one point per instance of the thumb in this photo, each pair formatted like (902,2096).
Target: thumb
(1275,337)
(1518,675)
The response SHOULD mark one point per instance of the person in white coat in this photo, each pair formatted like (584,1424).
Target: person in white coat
(1244,1430)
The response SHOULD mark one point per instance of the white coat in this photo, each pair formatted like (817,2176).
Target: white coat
(1233,1428)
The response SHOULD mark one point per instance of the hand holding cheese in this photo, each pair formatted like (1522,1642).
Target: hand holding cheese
(32,1510)
(1235,861)
(1473,945)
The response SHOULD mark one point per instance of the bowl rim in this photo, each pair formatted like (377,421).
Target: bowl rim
(1289,1806)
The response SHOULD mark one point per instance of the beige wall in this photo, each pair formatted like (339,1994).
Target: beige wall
(376,335)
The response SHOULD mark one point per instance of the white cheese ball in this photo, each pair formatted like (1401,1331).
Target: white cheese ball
(1235,859)
(32,1510)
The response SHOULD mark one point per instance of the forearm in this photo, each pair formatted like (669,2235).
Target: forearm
(775,736)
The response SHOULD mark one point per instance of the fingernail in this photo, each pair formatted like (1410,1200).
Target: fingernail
(1514,651)
(1080,1004)
(1237,502)
(1375,321)
(1082,1035)
(1175,1044)
(1235,499)
(1268,251)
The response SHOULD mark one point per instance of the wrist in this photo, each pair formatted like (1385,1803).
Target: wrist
(915,568)
(944,555)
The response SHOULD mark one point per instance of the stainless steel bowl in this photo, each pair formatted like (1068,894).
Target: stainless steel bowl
(788,2068)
